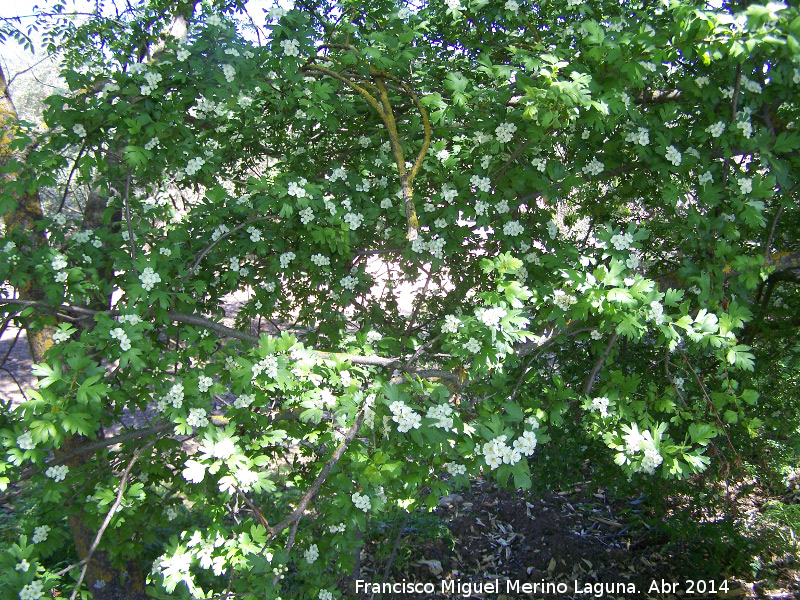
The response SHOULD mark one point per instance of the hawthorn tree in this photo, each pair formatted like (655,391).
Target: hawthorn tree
(592,203)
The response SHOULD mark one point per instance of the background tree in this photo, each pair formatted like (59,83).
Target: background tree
(593,199)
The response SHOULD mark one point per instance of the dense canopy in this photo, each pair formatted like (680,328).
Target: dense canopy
(446,234)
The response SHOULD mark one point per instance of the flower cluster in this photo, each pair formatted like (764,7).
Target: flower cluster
(505,132)
(361,501)
(59,335)
(197,417)
(244,400)
(497,452)
(472,345)
(306,215)
(451,324)
(563,300)
(513,228)
(443,413)
(484,184)
(455,468)
(349,282)
(40,534)
(57,473)
(622,241)
(286,258)
(716,129)
(526,443)
(25,441)
(705,178)
(290,47)
(641,137)
(745,185)
(173,397)
(32,591)
(296,188)
(268,365)
(353,220)
(595,167)
(311,554)
(194,165)
(320,260)
(149,278)
(118,333)
(204,383)
(552,230)
(600,404)
(491,317)
(404,416)
(673,156)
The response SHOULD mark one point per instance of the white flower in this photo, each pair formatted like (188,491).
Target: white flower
(183,54)
(746,127)
(312,554)
(229,71)
(386,203)
(526,444)
(512,5)
(23,566)
(443,154)
(25,441)
(505,132)
(286,258)
(491,317)
(705,178)
(448,194)
(442,414)
(325,594)
(622,241)
(244,400)
(455,468)
(224,448)
(320,260)
(513,228)
(57,473)
(701,81)
(632,262)
(472,345)
(197,417)
(453,5)
(745,185)
(40,534)
(673,156)
(600,404)
(361,501)
(451,324)
(79,130)
(596,334)
(290,47)
(194,472)
(149,278)
(563,300)
(295,189)
(482,183)
(306,215)
(374,336)
(716,129)
(348,282)
(32,591)
(552,230)
(204,383)
(595,167)
(58,263)
(353,220)
(502,207)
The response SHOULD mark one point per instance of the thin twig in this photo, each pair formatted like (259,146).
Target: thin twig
(298,512)
(587,389)
(128,217)
(112,511)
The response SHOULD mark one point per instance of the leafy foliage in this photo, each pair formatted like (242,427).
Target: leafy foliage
(584,197)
